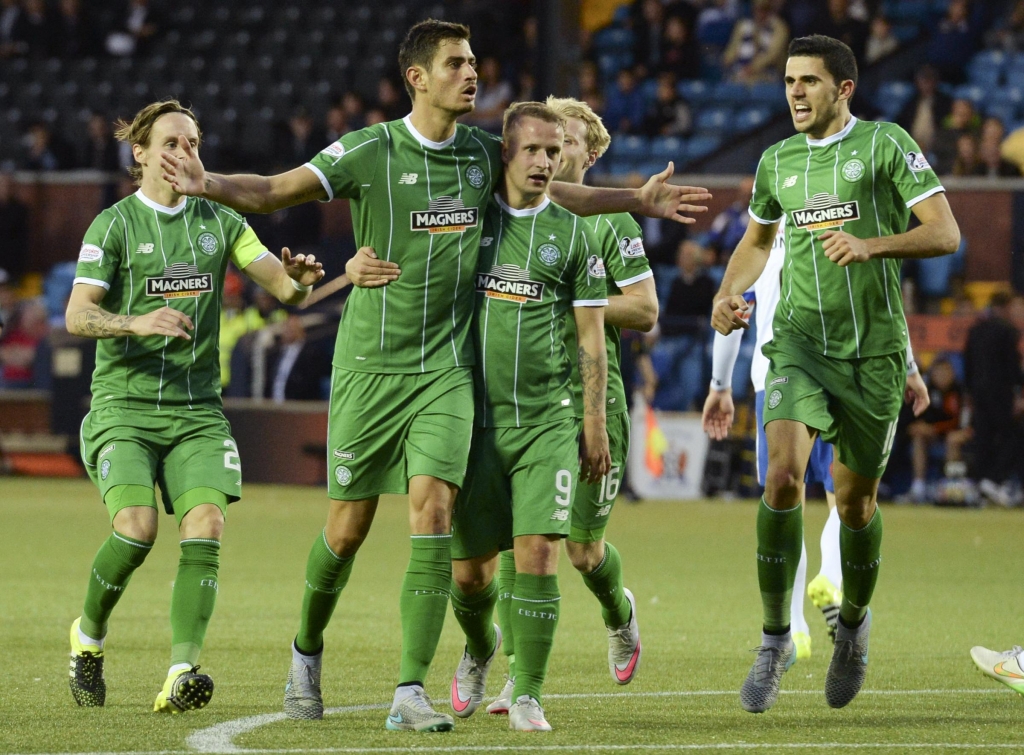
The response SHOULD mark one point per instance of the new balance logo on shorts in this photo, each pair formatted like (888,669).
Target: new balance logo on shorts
(562,515)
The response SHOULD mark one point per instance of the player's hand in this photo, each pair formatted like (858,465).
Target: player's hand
(185,174)
(917,393)
(165,321)
(302,268)
(718,414)
(842,248)
(367,271)
(660,199)
(727,314)
(595,457)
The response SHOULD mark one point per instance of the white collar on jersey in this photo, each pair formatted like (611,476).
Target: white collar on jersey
(159,207)
(835,137)
(528,212)
(407,120)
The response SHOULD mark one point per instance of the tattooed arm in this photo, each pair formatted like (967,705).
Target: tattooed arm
(595,459)
(85,318)
(244,193)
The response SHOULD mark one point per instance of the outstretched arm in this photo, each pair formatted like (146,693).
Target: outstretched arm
(656,199)
(245,192)
(290,279)
(85,318)
(745,267)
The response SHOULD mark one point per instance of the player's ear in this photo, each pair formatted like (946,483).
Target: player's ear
(846,89)
(417,78)
(591,159)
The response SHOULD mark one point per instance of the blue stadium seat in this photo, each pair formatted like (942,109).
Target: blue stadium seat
(649,90)
(668,148)
(986,68)
(752,117)
(975,94)
(770,94)
(906,32)
(732,93)
(701,146)
(629,148)
(715,33)
(612,39)
(1005,111)
(716,119)
(694,92)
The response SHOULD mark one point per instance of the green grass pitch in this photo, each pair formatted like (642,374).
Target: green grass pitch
(950,579)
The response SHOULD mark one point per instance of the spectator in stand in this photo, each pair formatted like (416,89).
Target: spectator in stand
(375,115)
(967,161)
(757,48)
(716,21)
(19,366)
(75,34)
(940,424)
(625,108)
(355,110)
(881,41)
(648,35)
(390,99)
(803,17)
(137,27)
(492,97)
(44,151)
(590,91)
(953,42)
(1009,35)
(993,378)
(35,29)
(839,22)
(527,87)
(298,137)
(335,124)
(100,150)
(679,353)
(8,298)
(11,45)
(993,164)
(962,119)
(923,115)
(730,224)
(13,230)
(668,115)
(680,53)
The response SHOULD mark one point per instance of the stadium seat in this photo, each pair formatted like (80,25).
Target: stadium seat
(768,94)
(701,146)
(731,93)
(668,148)
(1005,110)
(694,92)
(612,39)
(629,148)
(750,118)
(972,92)
(715,119)
(986,68)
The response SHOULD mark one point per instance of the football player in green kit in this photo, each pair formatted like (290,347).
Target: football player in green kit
(418,188)
(836,359)
(148,286)
(632,303)
(538,264)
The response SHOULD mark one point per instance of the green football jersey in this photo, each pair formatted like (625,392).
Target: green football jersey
(625,261)
(535,266)
(417,203)
(148,256)
(862,180)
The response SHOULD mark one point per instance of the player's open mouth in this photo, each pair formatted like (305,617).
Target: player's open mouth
(801,112)
(538,178)
(470,91)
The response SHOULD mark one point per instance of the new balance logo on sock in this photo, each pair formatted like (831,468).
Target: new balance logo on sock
(538,614)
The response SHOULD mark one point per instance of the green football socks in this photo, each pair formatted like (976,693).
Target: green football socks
(860,551)
(475,614)
(506,582)
(606,584)
(112,569)
(780,537)
(193,598)
(423,603)
(535,608)
(326,576)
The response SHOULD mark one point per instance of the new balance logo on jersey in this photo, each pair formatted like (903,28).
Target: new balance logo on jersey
(444,215)
(408,178)
(509,282)
(825,211)
(145,249)
(180,281)
(789,183)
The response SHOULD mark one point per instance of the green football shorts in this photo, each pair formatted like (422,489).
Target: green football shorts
(594,500)
(853,403)
(384,429)
(520,482)
(179,451)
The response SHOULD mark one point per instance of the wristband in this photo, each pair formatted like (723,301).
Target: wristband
(912,368)
(299,286)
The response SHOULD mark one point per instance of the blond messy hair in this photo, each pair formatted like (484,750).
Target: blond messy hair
(517,111)
(598,138)
(141,127)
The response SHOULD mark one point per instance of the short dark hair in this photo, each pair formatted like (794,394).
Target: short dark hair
(420,45)
(837,56)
